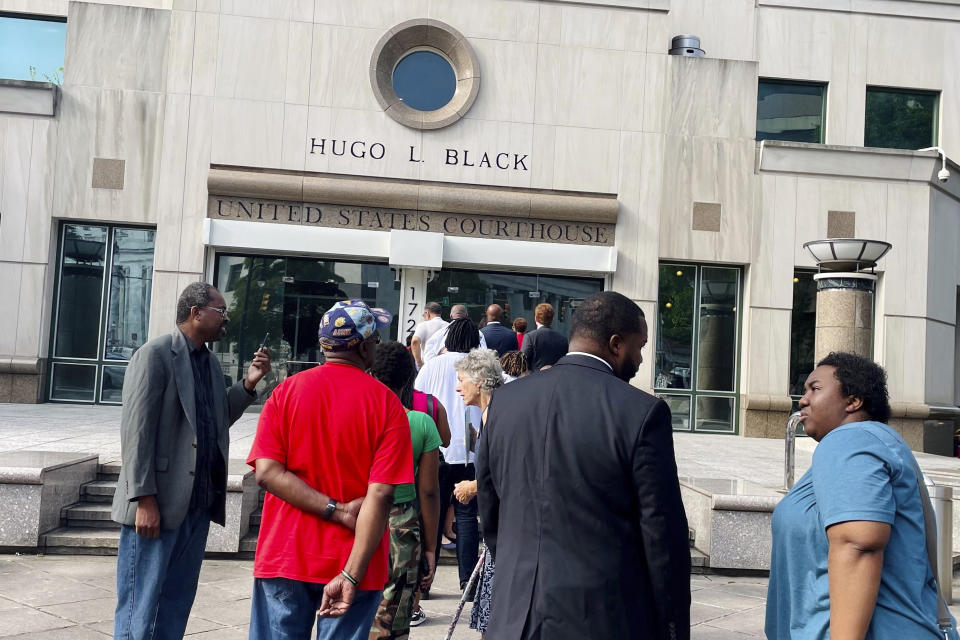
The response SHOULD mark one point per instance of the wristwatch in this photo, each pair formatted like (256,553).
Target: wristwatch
(329,510)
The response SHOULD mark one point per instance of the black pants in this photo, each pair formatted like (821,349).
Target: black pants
(468,531)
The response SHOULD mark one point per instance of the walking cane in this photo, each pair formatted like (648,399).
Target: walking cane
(466,592)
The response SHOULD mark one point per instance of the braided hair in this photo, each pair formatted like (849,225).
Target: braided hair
(394,367)
(514,363)
(462,336)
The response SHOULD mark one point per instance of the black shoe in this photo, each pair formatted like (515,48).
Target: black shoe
(418,617)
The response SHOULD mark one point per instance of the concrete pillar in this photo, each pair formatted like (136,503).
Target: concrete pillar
(844,313)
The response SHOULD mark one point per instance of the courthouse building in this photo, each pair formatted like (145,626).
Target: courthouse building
(297,152)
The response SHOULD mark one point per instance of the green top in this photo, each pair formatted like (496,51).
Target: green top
(426,438)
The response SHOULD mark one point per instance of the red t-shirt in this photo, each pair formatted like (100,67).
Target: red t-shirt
(338,429)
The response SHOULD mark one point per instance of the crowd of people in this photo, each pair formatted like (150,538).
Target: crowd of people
(536,446)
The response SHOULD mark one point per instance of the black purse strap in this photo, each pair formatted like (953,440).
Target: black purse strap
(930,528)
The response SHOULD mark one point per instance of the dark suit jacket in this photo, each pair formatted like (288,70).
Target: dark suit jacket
(580,504)
(544,347)
(500,338)
(158,433)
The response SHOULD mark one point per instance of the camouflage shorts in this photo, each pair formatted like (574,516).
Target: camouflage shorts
(393,614)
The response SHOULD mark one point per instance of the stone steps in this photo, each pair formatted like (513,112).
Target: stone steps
(98,491)
(90,515)
(82,541)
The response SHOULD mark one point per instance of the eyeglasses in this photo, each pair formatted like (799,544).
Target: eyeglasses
(222,312)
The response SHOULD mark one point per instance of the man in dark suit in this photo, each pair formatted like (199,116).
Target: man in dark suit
(543,346)
(578,494)
(174,443)
(499,338)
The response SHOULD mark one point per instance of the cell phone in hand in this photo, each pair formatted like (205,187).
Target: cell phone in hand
(263,342)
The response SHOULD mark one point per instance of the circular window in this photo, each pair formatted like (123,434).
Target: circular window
(424,80)
(424,74)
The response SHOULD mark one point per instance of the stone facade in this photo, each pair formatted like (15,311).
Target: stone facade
(164,89)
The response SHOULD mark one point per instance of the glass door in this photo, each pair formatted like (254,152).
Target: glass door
(102,309)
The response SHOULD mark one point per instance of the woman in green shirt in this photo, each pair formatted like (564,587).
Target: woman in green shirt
(394,367)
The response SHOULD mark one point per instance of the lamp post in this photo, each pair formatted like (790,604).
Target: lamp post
(845,288)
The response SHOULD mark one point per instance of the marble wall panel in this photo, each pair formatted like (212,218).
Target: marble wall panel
(252,58)
(632,91)
(247,132)
(856,79)
(603,28)
(773,240)
(644,377)
(15,155)
(904,353)
(173,168)
(301,10)
(869,201)
(339,69)
(117,47)
(940,365)
(726,29)
(905,266)
(950,96)
(943,276)
(31,337)
(185,5)
(205,48)
(706,97)
(544,146)
(372,127)
(180,51)
(550,23)
(319,120)
(494,19)
(39,7)
(578,87)
(208,6)
(477,137)
(766,363)
(10,276)
(299,42)
(508,82)
(638,222)
(73,163)
(917,60)
(655,107)
(293,150)
(37,234)
(199,154)
(781,33)
(163,303)
(586,159)
(659,33)
(373,14)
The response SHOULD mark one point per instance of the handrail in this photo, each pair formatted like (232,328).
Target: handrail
(790,442)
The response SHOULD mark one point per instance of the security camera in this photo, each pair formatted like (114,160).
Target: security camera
(943,175)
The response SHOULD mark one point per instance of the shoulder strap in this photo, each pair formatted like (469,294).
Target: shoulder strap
(930,528)
(431,407)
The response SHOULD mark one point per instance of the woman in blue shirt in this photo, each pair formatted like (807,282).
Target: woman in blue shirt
(849,555)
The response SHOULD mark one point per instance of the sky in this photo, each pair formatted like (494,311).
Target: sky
(23,43)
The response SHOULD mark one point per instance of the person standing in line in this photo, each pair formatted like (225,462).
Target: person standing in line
(543,346)
(331,446)
(435,345)
(499,338)
(478,375)
(579,495)
(432,322)
(439,377)
(411,504)
(174,444)
(520,328)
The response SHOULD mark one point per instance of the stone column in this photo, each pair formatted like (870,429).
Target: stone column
(844,313)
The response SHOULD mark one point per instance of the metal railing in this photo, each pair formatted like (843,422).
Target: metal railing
(789,454)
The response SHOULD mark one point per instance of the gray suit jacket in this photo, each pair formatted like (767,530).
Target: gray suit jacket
(158,434)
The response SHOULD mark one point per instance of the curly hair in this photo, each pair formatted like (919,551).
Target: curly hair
(544,314)
(861,378)
(481,367)
(196,294)
(394,366)
(462,336)
(514,363)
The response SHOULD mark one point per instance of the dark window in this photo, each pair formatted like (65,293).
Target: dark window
(803,325)
(790,110)
(31,47)
(424,80)
(900,119)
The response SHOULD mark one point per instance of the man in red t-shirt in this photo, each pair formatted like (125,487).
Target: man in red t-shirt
(331,445)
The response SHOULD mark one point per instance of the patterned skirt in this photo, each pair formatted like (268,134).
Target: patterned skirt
(480,615)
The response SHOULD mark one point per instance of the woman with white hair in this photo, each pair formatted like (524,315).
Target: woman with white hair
(478,374)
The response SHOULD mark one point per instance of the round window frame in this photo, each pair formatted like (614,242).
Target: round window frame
(431,35)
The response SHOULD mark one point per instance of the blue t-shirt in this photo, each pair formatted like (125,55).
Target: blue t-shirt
(860,471)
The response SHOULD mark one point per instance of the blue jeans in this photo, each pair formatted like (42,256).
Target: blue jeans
(468,531)
(157,579)
(285,609)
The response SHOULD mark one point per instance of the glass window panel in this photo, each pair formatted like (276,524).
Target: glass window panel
(32,48)
(680,410)
(131,278)
(714,414)
(676,306)
(424,80)
(898,119)
(81,289)
(802,330)
(111,384)
(717,333)
(73,381)
(790,111)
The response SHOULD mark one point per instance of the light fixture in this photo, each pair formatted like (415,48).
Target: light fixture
(796,280)
(846,254)
(668,305)
(679,273)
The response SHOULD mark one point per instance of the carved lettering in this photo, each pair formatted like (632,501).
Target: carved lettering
(374,148)
(504,155)
(452,153)
(353,149)
(314,146)
(465,155)
(424,223)
(293,209)
(485,160)
(412,159)
(519,161)
(343,148)
(309,219)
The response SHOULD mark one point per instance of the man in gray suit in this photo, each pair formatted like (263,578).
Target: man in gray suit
(174,445)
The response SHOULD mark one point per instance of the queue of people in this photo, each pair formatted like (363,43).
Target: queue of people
(544,450)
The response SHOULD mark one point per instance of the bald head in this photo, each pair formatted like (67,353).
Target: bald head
(494,313)
(458,311)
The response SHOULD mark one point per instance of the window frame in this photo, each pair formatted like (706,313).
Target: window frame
(37,17)
(935,128)
(806,83)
